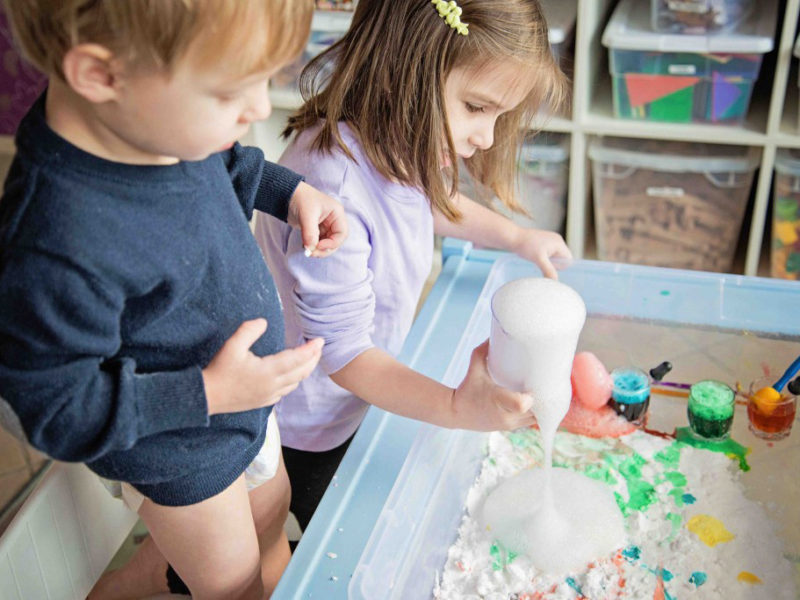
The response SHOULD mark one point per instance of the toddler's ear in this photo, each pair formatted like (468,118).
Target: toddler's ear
(89,70)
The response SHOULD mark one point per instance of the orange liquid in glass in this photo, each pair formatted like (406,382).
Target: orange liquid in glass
(777,422)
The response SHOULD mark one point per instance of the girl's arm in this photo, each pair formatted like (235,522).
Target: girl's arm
(478,403)
(483,226)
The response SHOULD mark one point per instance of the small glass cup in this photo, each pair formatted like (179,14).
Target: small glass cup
(630,395)
(770,420)
(710,409)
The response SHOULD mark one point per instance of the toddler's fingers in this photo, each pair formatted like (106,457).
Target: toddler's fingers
(309,230)
(247,334)
(334,232)
(295,363)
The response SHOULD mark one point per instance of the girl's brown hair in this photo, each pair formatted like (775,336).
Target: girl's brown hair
(158,33)
(386,79)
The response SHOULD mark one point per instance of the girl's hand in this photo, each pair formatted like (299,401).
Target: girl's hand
(236,379)
(539,246)
(481,405)
(321,220)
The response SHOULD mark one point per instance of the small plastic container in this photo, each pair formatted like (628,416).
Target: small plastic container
(685,78)
(770,420)
(630,396)
(785,251)
(327,28)
(670,204)
(560,16)
(698,16)
(710,409)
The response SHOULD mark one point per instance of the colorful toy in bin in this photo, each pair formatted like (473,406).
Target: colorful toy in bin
(684,78)
(785,259)
(589,412)
(680,99)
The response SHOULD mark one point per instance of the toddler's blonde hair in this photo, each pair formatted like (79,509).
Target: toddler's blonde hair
(156,34)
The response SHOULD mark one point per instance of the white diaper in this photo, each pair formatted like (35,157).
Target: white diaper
(260,470)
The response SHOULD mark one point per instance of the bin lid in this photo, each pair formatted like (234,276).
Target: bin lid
(679,157)
(546,147)
(331,20)
(787,161)
(629,29)
(560,16)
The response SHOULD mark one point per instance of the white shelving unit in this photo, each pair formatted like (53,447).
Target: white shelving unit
(771,123)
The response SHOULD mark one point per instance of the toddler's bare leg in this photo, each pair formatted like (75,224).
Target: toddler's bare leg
(143,576)
(212,545)
(270,507)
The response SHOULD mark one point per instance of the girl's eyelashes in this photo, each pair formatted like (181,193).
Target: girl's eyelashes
(473,108)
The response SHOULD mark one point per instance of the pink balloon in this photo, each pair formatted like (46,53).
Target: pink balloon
(591,382)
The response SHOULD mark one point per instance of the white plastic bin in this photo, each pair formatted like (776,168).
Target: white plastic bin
(543,179)
(327,28)
(542,183)
(560,16)
(685,78)
(670,204)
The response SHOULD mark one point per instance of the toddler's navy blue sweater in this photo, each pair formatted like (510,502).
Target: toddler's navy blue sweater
(118,284)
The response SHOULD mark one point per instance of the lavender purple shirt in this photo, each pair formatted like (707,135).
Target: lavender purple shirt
(362,296)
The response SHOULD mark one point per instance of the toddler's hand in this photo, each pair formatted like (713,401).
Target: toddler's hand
(482,405)
(539,246)
(236,379)
(321,219)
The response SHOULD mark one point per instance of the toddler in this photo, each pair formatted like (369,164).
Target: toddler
(140,332)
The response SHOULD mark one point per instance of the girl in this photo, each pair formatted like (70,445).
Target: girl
(412,87)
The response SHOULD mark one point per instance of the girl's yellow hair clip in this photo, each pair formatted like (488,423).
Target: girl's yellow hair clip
(451,13)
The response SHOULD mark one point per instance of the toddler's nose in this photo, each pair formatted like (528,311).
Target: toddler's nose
(259,106)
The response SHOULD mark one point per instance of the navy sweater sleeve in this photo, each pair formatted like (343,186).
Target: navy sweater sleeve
(76,397)
(259,183)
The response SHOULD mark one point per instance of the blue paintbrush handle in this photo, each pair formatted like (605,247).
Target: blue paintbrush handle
(790,372)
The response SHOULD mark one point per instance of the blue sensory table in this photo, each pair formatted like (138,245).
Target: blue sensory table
(676,309)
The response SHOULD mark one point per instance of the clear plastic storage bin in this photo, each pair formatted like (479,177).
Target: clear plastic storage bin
(698,16)
(785,255)
(685,78)
(543,170)
(797,54)
(560,16)
(670,204)
(632,311)
(327,28)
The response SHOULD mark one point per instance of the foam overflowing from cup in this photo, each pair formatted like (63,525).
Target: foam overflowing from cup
(560,519)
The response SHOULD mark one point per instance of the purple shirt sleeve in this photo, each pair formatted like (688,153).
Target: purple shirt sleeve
(333,297)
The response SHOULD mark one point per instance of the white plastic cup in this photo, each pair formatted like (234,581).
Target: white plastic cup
(535,327)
